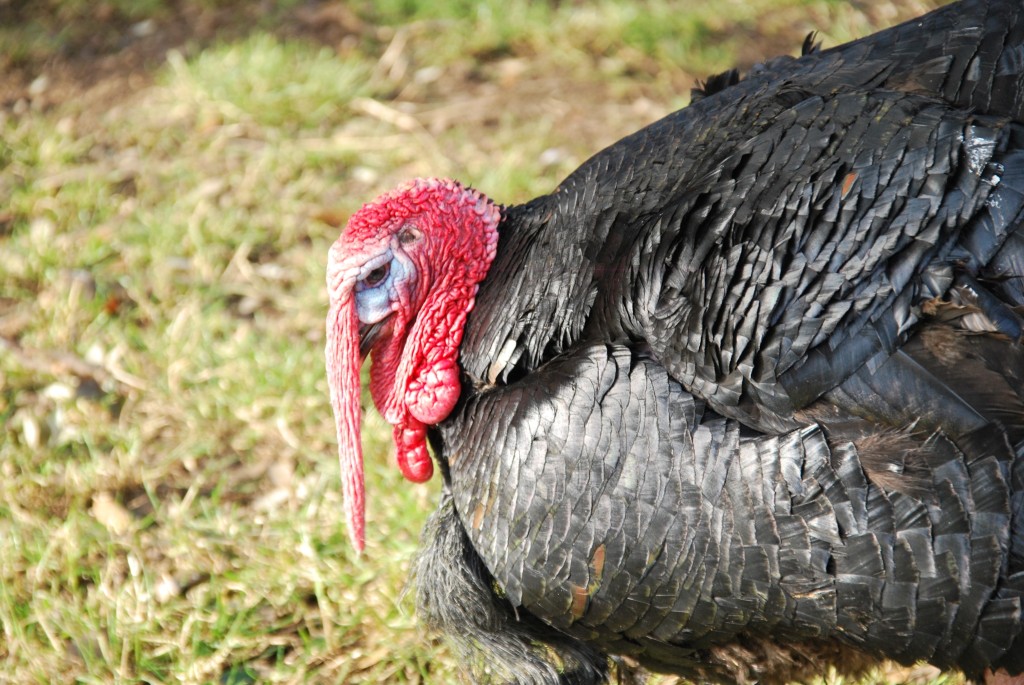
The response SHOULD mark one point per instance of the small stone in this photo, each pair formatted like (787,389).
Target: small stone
(364,175)
(30,430)
(553,156)
(59,392)
(39,85)
(42,230)
(166,588)
(143,28)
(110,513)
(427,75)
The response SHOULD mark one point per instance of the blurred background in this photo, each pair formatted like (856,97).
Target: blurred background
(172,173)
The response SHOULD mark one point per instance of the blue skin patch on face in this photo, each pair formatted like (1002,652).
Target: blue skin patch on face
(375,293)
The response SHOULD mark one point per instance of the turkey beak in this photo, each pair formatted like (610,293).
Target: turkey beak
(344,357)
(369,334)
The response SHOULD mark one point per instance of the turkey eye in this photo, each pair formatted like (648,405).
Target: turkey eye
(408,235)
(377,275)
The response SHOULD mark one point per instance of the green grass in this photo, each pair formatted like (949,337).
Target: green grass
(271,83)
(170,508)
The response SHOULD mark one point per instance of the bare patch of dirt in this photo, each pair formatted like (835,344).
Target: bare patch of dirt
(99,56)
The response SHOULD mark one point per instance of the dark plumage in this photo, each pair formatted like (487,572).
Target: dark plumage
(744,396)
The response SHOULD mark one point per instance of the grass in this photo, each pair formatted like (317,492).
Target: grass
(169,498)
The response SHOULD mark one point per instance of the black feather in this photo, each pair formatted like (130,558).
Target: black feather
(744,395)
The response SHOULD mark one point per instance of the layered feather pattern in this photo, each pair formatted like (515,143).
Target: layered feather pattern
(745,394)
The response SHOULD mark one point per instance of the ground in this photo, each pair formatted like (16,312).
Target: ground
(172,173)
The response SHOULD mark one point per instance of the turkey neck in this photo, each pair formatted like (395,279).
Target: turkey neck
(562,265)
(522,313)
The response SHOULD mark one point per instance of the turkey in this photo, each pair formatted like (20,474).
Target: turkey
(743,397)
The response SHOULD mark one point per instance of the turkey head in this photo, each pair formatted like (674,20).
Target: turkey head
(401,279)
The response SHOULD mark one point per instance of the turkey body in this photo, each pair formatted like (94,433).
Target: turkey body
(744,396)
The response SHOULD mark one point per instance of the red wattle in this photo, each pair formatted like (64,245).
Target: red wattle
(411,451)
(432,396)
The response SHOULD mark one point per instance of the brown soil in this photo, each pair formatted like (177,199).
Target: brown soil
(99,56)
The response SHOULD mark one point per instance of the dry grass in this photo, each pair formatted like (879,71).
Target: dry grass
(169,499)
